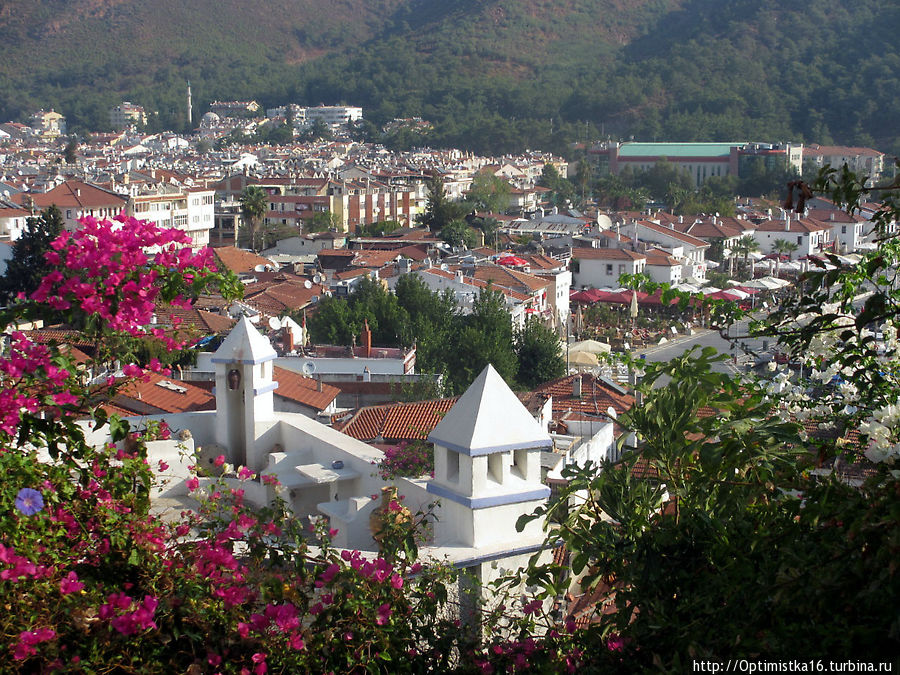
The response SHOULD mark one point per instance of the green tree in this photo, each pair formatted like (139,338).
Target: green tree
(439,210)
(27,267)
(489,193)
(331,323)
(433,318)
(538,353)
(561,190)
(254,206)
(783,247)
(485,336)
(457,233)
(70,153)
(584,174)
(743,247)
(321,221)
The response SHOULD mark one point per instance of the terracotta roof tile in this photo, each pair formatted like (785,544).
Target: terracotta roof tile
(304,390)
(606,254)
(397,421)
(596,396)
(160,394)
(239,261)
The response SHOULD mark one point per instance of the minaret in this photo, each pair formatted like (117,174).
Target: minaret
(487,467)
(244,386)
(189,111)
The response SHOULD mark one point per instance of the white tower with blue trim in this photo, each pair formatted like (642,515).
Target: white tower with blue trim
(244,364)
(487,468)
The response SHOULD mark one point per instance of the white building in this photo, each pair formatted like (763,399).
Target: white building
(168,205)
(487,463)
(127,114)
(12,223)
(811,236)
(602,267)
(334,115)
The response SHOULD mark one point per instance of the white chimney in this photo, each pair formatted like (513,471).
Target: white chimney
(787,222)
(576,386)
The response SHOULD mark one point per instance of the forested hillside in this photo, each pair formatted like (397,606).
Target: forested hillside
(493,75)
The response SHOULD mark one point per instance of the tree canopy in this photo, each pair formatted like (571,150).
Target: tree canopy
(28,266)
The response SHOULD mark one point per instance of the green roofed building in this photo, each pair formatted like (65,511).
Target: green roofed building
(700,160)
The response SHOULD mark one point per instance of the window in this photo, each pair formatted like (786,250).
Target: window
(609,269)
(799,241)
(622,269)
(843,229)
(495,466)
(452,465)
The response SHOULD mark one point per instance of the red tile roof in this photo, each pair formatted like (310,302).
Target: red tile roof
(304,390)
(239,261)
(596,396)
(78,194)
(160,394)
(397,421)
(606,254)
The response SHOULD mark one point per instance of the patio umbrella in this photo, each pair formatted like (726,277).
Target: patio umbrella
(591,346)
(583,359)
(634,306)
(512,260)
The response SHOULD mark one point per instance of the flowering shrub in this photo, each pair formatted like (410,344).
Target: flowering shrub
(409,460)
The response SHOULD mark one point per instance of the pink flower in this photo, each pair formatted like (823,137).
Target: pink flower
(27,639)
(397,581)
(219,461)
(193,483)
(70,584)
(384,613)
(615,642)
(163,466)
(329,573)
(245,473)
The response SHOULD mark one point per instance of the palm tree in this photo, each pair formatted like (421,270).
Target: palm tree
(744,247)
(254,204)
(781,247)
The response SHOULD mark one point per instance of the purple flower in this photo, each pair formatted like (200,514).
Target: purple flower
(29,501)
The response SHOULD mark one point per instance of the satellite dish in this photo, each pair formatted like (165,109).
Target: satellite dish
(317,278)
(274,323)
(259,268)
(307,284)
(309,368)
(611,412)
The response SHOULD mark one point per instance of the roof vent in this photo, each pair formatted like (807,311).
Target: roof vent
(171,386)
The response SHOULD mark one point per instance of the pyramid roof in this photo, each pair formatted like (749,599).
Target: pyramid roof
(489,418)
(244,344)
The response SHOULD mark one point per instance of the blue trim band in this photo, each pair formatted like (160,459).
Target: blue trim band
(272,386)
(491,449)
(246,362)
(486,502)
(500,555)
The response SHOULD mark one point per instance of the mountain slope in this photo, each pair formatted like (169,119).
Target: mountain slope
(490,73)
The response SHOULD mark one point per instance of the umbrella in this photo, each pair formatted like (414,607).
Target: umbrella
(634,305)
(583,359)
(591,346)
(513,260)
